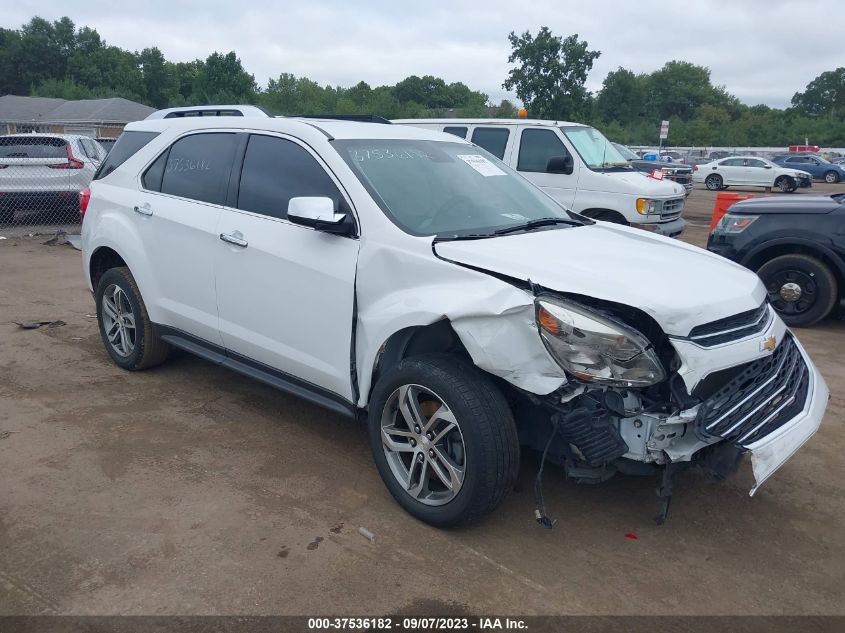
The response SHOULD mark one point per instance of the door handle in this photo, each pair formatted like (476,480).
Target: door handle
(144,209)
(235,238)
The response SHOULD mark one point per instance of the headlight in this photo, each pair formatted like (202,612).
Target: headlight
(594,348)
(646,206)
(735,223)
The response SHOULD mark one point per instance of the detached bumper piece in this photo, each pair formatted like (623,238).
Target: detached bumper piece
(765,396)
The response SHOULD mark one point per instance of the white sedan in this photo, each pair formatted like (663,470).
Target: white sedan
(750,171)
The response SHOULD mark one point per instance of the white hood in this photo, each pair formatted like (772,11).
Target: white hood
(680,286)
(633,183)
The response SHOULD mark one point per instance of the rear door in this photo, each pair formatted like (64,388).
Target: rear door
(285,292)
(732,171)
(496,139)
(535,146)
(176,214)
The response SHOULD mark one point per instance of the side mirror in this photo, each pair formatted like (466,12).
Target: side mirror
(767,166)
(319,214)
(560,165)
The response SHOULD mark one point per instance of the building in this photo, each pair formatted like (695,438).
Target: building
(97,118)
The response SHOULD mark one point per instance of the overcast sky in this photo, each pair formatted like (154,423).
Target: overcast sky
(763,51)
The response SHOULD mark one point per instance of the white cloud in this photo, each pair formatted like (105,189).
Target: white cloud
(763,51)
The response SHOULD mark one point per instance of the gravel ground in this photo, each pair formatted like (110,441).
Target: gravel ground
(189,489)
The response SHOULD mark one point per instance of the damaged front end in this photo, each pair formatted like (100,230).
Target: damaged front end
(635,405)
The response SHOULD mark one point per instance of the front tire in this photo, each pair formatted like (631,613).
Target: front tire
(801,288)
(125,326)
(713,182)
(831,177)
(443,438)
(785,184)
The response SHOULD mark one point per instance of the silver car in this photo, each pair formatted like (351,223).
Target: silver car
(45,173)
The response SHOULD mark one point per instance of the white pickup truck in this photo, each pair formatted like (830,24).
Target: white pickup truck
(577,166)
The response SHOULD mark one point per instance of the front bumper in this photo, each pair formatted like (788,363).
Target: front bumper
(772,451)
(673,228)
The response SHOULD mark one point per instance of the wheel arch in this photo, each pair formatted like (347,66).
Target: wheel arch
(597,213)
(416,340)
(102,259)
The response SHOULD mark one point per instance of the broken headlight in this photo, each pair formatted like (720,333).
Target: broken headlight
(595,348)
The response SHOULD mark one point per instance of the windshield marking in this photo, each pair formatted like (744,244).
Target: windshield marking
(481,165)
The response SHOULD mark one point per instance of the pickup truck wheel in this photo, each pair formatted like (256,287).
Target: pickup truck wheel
(831,177)
(801,288)
(443,439)
(785,184)
(713,182)
(125,326)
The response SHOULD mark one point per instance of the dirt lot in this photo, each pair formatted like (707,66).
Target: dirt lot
(189,489)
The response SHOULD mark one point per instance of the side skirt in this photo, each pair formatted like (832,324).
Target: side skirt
(263,373)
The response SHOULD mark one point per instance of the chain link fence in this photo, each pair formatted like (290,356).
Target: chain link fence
(42,170)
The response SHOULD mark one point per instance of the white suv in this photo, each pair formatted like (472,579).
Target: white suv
(411,278)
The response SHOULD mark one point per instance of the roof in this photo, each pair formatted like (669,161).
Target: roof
(46,110)
(332,128)
(542,122)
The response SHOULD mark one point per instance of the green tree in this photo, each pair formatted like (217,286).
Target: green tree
(824,95)
(550,74)
(222,79)
(622,96)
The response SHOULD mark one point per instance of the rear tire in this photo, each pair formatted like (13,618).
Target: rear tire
(713,182)
(119,303)
(831,177)
(480,453)
(801,288)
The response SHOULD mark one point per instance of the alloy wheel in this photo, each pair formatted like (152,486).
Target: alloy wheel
(423,445)
(118,320)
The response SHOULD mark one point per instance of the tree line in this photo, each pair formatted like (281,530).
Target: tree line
(549,73)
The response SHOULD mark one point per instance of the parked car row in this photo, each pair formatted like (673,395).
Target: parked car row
(415,279)
(750,171)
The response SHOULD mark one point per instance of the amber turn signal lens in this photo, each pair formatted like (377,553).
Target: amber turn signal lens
(547,321)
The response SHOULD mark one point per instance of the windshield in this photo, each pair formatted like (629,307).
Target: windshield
(626,153)
(445,189)
(595,150)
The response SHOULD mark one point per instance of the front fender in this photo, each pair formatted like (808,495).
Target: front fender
(493,319)
(810,242)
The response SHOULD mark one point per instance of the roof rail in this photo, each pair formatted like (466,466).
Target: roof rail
(210,110)
(361,118)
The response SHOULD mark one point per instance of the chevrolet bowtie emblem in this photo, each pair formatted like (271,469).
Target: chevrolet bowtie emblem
(769,343)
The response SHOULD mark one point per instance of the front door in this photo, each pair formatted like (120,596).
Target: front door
(536,147)
(285,292)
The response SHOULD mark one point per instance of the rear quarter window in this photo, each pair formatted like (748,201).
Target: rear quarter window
(127,145)
(493,139)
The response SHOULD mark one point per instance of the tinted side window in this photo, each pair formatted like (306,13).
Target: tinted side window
(493,139)
(457,131)
(536,147)
(198,167)
(126,146)
(152,177)
(276,170)
(732,162)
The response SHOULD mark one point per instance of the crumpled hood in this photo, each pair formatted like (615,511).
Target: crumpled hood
(680,286)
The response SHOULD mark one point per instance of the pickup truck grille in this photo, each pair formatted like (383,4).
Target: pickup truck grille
(763,397)
(732,328)
(671,209)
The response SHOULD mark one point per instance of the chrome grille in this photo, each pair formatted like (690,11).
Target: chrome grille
(671,209)
(732,328)
(762,398)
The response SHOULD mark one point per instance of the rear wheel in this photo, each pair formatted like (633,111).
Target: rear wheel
(713,182)
(443,439)
(125,326)
(831,177)
(801,288)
